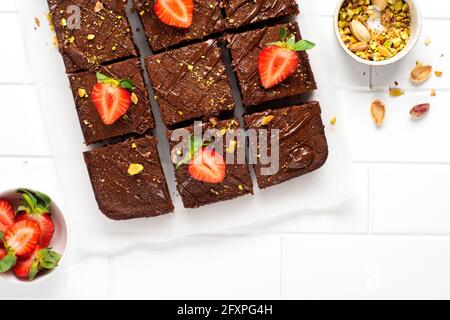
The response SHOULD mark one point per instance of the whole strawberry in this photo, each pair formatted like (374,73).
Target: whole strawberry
(35,206)
(279,60)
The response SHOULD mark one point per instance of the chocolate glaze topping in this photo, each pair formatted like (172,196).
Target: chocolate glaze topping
(138,118)
(245,49)
(237,180)
(123,196)
(190,82)
(103,36)
(244,12)
(303,146)
(207,20)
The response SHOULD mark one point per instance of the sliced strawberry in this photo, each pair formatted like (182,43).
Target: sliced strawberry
(36,207)
(276,64)
(207,166)
(39,259)
(22,237)
(111,101)
(46,226)
(7,217)
(176,13)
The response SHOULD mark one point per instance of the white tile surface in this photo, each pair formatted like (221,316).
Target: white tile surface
(435,8)
(400,138)
(13,64)
(22,122)
(79,278)
(201,268)
(360,267)
(7,6)
(351,217)
(411,199)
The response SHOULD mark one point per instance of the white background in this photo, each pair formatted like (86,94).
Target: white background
(391,241)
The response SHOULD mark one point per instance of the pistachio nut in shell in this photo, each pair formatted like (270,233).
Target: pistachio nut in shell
(421,73)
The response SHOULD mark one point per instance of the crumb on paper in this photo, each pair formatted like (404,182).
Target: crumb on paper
(427,41)
(433,92)
(438,73)
(333,121)
(396,92)
(37,22)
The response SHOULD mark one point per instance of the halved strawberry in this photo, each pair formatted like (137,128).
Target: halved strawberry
(36,207)
(39,259)
(46,226)
(22,237)
(176,13)
(7,217)
(276,64)
(207,166)
(111,98)
(279,60)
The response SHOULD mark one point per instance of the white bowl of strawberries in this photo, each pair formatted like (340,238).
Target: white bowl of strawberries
(33,235)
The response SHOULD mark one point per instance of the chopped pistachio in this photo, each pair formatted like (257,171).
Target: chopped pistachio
(438,73)
(90,36)
(396,92)
(81,92)
(133,145)
(333,121)
(266,120)
(134,98)
(142,13)
(135,168)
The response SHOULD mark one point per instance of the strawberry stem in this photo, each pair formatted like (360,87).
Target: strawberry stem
(34,202)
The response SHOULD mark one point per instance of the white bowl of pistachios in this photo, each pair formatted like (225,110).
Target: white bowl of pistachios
(377,32)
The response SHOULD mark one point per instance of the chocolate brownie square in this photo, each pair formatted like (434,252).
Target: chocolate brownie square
(128,179)
(243,12)
(89,34)
(245,50)
(207,20)
(190,82)
(302,143)
(138,118)
(236,180)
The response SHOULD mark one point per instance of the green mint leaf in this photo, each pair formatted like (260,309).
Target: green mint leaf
(194,145)
(303,45)
(8,262)
(290,43)
(282,34)
(48,259)
(126,84)
(44,199)
(34,201)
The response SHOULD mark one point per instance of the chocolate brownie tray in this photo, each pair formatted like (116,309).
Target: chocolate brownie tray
(328,186)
